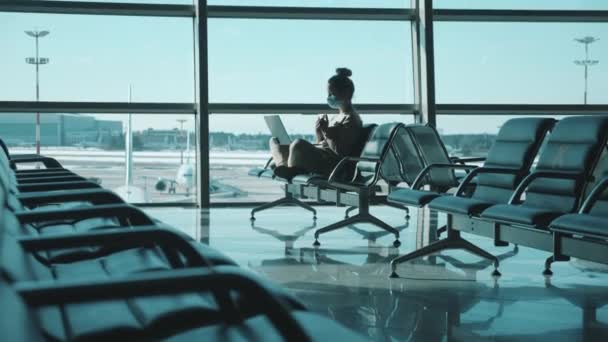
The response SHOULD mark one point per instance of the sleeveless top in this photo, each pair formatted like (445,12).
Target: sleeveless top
(342,135)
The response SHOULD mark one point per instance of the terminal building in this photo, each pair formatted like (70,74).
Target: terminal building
(19,129)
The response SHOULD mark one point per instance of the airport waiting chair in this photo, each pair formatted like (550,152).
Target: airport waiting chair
(44,182)
(37,179)
(438,172)
(23,177)
(407,153)
(527,134)
(51,222)
(79,193)
(508,162)
(380,160)
(585,234)
(21,264)
(144,250)
(557,186)
(76,212)
(25,307)
(79,211)
(50,164)
(289,197)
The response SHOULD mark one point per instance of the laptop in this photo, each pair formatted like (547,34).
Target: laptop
(277,129)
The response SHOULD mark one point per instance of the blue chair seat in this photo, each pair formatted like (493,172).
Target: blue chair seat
(306,179)
(519,214)
(411,197)
(582,224)
(460,205)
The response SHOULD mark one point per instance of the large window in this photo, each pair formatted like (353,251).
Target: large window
(276,64)
(523,63)
(147,56)
(163,160)
(274,57)
(236,149)
(289,61)
(97,58)
(89,65)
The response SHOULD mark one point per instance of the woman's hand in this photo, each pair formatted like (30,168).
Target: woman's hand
(323,123)
(321,126)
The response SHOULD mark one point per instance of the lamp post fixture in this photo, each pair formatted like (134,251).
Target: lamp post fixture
(181,131)
(37,61)
(586,62)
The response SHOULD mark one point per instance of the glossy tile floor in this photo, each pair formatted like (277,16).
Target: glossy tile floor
(450,297)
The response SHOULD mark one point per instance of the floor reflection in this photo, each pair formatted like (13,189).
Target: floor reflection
(448,297)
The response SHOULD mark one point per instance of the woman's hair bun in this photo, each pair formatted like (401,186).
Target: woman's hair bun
(344,72)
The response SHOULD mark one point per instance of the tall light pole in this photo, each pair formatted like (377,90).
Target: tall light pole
(586,62)
(181,131)
(37,61)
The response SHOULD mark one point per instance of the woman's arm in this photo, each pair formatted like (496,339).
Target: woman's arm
(338,136)
(320,127)
(319,131)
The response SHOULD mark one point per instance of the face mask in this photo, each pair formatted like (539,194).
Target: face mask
(333,102)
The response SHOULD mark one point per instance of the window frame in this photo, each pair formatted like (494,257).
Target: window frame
(421,15)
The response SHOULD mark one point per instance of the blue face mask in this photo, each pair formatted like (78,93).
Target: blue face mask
(333,102)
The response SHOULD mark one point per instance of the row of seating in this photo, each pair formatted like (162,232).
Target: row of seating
(532,182)
(532,204)
(80,264)
(394,153)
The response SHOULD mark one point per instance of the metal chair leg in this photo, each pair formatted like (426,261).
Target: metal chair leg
(348,211)
(453,241)
(384,226)
(550,260)
(305,206)
(359,218)
(466,245)
(282,201)
(334,226)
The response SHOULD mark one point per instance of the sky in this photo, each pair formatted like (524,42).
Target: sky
(96,58)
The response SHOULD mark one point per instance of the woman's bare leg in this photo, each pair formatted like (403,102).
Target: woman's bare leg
(303,155)
(280,153)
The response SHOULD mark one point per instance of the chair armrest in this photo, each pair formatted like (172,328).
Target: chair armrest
(219,280)
(343,161)
(483,169)
(46,161)
(120,211)
(418,182)
(595,194)
(267,165)
(44,173)
(467,159)
(50,186)
(127,238)
(94,196)
(24,155)
(34,172)
(521,188)
(49,179)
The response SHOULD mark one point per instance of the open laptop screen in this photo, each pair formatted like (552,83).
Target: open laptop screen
(277,129)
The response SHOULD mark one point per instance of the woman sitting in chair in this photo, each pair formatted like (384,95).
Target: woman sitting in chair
(336,138)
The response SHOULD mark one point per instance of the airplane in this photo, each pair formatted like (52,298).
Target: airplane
(185,177)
